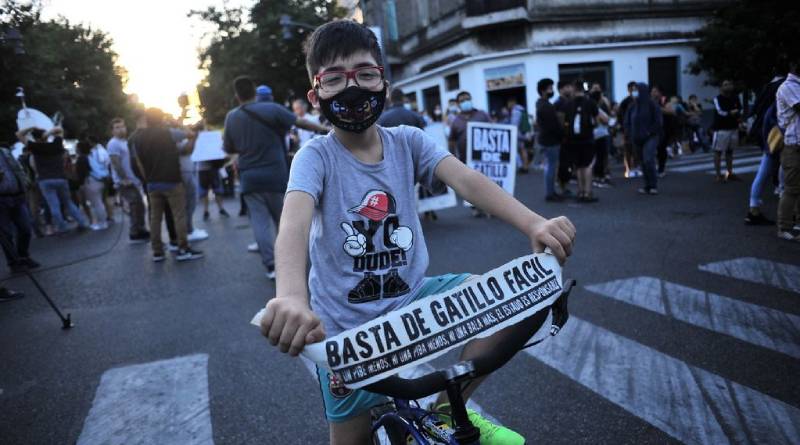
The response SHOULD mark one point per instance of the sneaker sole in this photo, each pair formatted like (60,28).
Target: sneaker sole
(159,259)
(189,258)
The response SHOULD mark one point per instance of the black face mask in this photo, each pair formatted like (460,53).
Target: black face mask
(354,109)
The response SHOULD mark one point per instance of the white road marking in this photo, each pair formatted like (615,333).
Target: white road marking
(709,157)
(748,169)
(162,402)
(756,270)
(707,165)
(754,324)
(686,402)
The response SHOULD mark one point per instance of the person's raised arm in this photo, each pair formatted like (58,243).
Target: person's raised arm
(289,322)
(558,233)
(311,126)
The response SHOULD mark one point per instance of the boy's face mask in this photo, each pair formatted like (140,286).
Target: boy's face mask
(465,106)
(354,109)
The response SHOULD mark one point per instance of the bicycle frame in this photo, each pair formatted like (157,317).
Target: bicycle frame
(407,417)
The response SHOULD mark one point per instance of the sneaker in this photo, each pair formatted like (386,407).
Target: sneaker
(172,247)
(757,219)
(271,273)
(788,236)
(796,228)
(491,434)
(393,285)
(206,216)
(368,289)
(158,257)
(99,226)
(197,235)
(188,254)
(224,213)
(139,238)
(647,191)
(7,294)
(252,248)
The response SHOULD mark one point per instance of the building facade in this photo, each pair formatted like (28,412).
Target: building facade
(496,49)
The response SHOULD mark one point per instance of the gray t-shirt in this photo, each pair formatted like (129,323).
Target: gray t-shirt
(368,254)
(119,147)
(261,147)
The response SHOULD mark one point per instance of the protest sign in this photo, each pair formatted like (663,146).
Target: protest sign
(428,328)
(492,150)
(208,147)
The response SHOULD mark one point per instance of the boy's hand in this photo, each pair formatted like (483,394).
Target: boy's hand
(290,324)
(558,234)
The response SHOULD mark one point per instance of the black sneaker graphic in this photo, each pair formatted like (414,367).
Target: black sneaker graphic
(367,289)
(393,285)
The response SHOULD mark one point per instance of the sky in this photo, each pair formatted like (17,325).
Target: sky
(155,40)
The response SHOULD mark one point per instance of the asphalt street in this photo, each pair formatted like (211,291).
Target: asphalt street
(685,328)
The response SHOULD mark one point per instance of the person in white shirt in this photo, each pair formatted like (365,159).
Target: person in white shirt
(299,135)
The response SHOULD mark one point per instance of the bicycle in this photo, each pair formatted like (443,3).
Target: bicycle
(403,418)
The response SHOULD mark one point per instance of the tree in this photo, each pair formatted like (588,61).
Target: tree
(256,47)
(745,41)
(66,67)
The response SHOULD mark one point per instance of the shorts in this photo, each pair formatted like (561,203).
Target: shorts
(208,180)
(725,140)
(582,153)
(341,403)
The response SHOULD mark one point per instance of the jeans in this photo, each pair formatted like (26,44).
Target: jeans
(176,198)
(790,161)
(265,209)
(764,170)
(190,184)
(56,193)
(93,189)
(649,152)
(133,196)
(551,153)
(15,225)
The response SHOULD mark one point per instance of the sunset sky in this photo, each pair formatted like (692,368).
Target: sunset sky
(157,43)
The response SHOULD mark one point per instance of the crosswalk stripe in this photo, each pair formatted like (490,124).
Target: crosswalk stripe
(755,270)
(747,169)
(162,402)
(751,323)
(709,157)
(686,402)
(707,165)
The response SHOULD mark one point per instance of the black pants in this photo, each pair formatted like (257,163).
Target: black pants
(601,147)
(15,228)
(564,164)
(662,155)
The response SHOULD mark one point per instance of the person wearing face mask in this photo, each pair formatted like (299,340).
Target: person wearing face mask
(458,129)
(630,156)
(644,126)
(549,137)
(400,113)
(727,115)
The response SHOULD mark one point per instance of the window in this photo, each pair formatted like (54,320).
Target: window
(599,72)
(451,82)
(663,71)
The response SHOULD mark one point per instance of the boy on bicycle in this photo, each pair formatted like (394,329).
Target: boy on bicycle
(350,204)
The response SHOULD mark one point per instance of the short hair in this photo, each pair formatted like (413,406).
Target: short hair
(692,96)
(154,116)
(115,121)
(397,95)
(337,40)
(37,133)
(244,87)
(632,84)
(462,93)
(543,85)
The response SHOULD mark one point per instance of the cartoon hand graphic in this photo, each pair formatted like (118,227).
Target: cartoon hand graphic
(402,237)
(356,243)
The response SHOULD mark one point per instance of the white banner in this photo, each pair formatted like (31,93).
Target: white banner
(428,328)
(208,147)
(492,150)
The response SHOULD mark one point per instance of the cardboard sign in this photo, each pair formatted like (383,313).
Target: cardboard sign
(492,150)
(208,147)
(428,328)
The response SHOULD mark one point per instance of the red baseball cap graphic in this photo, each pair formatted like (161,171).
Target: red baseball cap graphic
(375,205)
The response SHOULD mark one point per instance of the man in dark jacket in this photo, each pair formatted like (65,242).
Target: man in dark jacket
(548,137)
(15,218)
(644,127)
(156,156)
(400,113)
(727,114)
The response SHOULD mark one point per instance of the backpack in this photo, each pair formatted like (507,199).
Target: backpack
(524,126)
(580,121)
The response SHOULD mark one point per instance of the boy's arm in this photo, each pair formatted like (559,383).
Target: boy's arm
(558,233)
(289,322)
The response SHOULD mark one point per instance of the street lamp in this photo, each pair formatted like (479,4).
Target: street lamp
(13,38)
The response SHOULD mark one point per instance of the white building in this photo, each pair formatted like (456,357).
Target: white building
(496,49)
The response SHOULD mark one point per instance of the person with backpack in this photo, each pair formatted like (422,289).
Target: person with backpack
(256,131)
(91,174)
(519,118)
(644,126)
(582,116)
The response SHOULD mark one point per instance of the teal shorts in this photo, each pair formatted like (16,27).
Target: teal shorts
(342,403)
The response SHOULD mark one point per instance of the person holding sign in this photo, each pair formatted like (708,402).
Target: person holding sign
(350,205)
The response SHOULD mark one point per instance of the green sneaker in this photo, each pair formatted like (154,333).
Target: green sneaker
(491,434)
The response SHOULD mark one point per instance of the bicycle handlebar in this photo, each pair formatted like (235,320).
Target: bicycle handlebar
(517,336)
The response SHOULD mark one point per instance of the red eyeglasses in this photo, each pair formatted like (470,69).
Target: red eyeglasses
(332,82)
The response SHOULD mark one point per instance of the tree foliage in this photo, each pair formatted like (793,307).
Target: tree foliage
(745,41)
(66,67)
(255,47)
